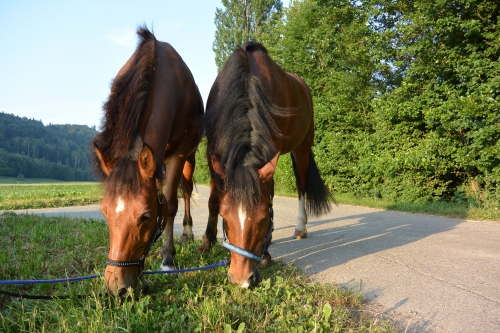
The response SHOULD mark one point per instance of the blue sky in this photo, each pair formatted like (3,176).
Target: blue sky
(57,58)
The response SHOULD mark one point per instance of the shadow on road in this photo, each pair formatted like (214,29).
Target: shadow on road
(339,240)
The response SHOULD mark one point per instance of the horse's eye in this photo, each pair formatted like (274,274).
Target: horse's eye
(145,217)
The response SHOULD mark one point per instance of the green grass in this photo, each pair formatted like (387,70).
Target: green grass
(441,208)
(25,196)
(40,247)
(448,209)
(39,194)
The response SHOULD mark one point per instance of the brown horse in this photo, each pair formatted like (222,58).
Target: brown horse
(256,112)
(154,115)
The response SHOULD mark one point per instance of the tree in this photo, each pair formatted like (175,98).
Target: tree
(240,21)
(327,43)
(438,131)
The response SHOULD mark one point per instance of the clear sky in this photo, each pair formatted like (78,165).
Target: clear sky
(58,57)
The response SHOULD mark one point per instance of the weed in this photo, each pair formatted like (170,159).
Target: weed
(40,247)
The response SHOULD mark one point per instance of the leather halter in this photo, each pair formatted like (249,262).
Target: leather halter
(246,253)
(152,240)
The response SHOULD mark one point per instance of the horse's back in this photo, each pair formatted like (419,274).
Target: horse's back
(287,91)
(176,103)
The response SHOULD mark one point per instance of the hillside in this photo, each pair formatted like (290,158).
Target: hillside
(32,149)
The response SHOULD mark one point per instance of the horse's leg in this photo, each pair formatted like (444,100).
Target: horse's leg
(301,163)
(175,165)
(210,236)
(266,258)
(187,190)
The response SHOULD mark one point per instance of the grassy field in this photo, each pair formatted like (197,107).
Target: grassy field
(48,194)
(34,247)
(448,209)
(42,193)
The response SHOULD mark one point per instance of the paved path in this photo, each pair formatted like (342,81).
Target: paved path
(426,273)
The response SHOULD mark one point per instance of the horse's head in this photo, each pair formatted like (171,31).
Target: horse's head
(133,206)
(247,228)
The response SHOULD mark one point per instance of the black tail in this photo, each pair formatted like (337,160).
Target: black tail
(317,194)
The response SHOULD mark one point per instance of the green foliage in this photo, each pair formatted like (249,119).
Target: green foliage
(241,21)
(406,95)
(438,131)
(29,148)
(43,248)
(328,45)
(201,171)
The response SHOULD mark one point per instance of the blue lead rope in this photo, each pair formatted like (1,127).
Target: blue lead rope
(88,277)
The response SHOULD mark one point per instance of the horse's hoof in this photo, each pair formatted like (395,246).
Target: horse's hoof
(299,234)
(186,238)
(206,244)
(203,248)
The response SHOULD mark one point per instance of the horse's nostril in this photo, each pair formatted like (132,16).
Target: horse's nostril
(254,278)
(122,293)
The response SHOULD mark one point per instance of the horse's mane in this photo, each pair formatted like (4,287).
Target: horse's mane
(126,103)
(240,128)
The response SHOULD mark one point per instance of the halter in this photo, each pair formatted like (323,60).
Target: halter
(152,240)
(246,253)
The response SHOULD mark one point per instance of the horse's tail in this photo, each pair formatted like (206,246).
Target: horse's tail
(317,193)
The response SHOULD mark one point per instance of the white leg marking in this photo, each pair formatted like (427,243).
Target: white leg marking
(166,268)
(120,205)
(301,215)
(188,230)
(243,216)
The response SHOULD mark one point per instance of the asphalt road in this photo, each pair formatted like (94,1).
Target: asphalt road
(425,273)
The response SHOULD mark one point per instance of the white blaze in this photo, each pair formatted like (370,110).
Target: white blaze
(120,205)
(243,216)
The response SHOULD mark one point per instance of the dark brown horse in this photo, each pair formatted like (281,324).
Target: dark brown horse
(154,115)
(256,112)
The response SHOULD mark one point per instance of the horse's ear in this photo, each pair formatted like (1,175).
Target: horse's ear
(147,163)
(267,171)
(104,167)
(218,167)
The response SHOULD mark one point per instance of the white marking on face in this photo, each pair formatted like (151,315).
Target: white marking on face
(120,205)
(245,285)
(242,216)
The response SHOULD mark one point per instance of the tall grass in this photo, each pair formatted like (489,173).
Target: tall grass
(41,247)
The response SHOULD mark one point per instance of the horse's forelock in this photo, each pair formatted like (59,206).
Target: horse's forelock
(126,179)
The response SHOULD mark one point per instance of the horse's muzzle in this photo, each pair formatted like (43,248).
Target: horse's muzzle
(120,279)
(248,280)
